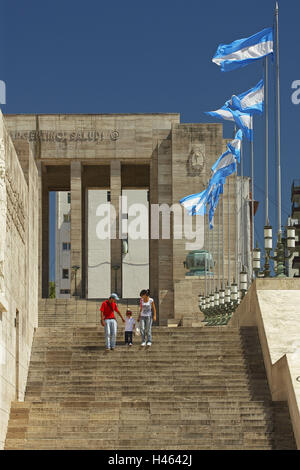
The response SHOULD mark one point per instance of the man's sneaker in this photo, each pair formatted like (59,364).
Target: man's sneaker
(107,349)
(143,344)
(149,343)
(130,344)
(112,349)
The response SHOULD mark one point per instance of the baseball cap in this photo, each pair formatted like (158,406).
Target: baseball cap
(114,296)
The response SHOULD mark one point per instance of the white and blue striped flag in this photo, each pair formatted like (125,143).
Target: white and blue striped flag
(226,164)
(214,199)
(242,120)
(251,101)
(222,113)
(235,145)
(244,51)
(196,204)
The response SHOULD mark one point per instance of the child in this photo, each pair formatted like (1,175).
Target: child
(129,326)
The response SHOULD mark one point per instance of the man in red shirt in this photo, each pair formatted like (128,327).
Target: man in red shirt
(108,320)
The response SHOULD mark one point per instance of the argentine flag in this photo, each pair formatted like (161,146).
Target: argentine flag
(222,113)
(195,200)
(214,203)
(209,197)
(242,120)
(235,145)
(251,101)
(196,204)
(244,51)
(225,165)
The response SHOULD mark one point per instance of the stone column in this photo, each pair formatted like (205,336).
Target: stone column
(40,198)
(165,247)
(76,228)
(116,246)
(43,197)
(154,243)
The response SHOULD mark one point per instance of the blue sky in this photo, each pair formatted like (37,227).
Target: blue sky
(149,56)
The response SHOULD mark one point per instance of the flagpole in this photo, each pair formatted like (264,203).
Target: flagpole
(267,139)
(205,277)
(213,256)
(219,287)
(236,227)
(242,206)
(236,221)
(252,183)
(205,259)
(229,273)
(208,243)
(223,263)
(278,119)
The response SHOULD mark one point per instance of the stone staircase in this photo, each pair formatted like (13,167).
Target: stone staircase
(195,388)
(72,312)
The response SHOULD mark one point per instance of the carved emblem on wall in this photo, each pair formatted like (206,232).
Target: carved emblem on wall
(114,135)
(196,160)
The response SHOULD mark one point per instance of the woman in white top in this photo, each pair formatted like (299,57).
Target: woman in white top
(145,316)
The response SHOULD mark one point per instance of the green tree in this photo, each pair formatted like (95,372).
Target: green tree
(52,290)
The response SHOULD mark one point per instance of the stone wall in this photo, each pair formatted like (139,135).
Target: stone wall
(19,260)
(273,306)
(88,137)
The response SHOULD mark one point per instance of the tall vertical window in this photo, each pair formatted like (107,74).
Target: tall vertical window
(66,246)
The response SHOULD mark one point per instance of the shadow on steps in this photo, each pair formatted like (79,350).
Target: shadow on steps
(283,435)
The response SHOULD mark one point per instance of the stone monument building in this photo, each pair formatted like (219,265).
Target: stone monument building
(150,158)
